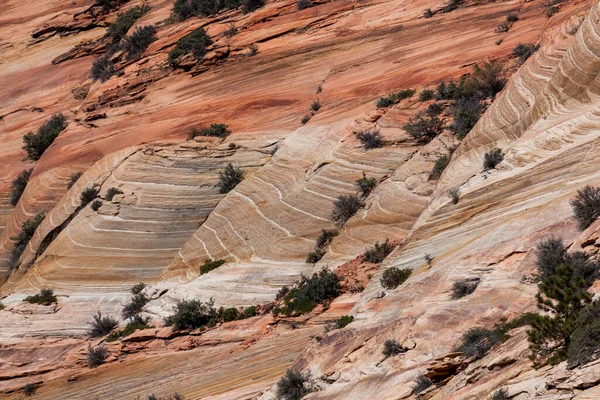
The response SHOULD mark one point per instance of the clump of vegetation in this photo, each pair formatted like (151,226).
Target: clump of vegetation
(427,94)
(137,322)
(315,106)
(96,355)
(184,9)
(440,165)
(433,110)
(454,194)
(230,314)
(512,17)
(87,195)
(209,265)
(73,179)
(463,288)
(112,192)
(586,206)
(229,178)
(394,277)
(308,292)
(378,252)
(492,158)
(305,119)
(315,256)
(465,114)
(36,143)
(214,130)
(119,28)
(102,69)
(452,5)
(195,43)
(101,326)
(192,314)
(371,139)
(501,394)
(293,385)
(424,129)
(585,340)
(421,383)
(502,27)
(524,50)
(96,204)
(303,4)
(29,389)
(253,50)
(343,321)
(395,98)
(551,7)
(18,186)
(345,207)
(251,5)
(136,304)
(323,240)
(366,185)
(44,297)
(392,348)
(231,31)
(428,13)
(476,342)
(135,44)
(28,228)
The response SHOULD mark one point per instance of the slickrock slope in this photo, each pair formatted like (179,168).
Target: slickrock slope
(130,133)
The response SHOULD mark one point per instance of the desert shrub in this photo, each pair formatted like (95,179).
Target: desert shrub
(252,50)
(229,178)
(18,186)
(454,195)
(250,312)
(426,94)
(452,5)
(343,321)
(230,314)
(485,81)
(502,27)
(102,69)
(378,252)
(428,13)
(315,106)
(282,292)
(28,228)
(136,323)
(315,256)
(214,130)
(512,17)
(251,5)
(305,119)
(87,195)
(231,31)
(345,207)
(394,277)
(585,340)
(192,314)
(112,192)
(395,97)
(308,292)
(423,130)
(492,158)
(303,4)
(392,348)
(2,306)
(421,383)
(101,326)
(96,355)
(465,113)
(96,204)
(586,206)
(195,43)
(476,342)
(524,50)
(137,288)
(73,179)
(434,109)
(440,165)
(370,139)
(293,385)
(551,7)
(36,143)
(500,394)
(45,297)
(326,237)
(552,253)
(463,288)
(135,305)
(118,29)
(366,185)
(209,265)
(29,389)
(135,44)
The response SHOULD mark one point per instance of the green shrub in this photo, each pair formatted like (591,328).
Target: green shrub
(229,178)
(378,252)
(293,385)
(308,292)
(492,158)
(512,17)
(36,143)
(184,9)
(305,119)
(112,192)
(343,321)
(326,237)
(315,106)
(585,340)
(252,50)
(18,186)
(452,5)
(524,50)
(231,31)
(209,265)
(136,323)
(195,43)
(252,5)
(192,314)
(427,94)
(137,288)
(215,130)
(434,109)
(502,27)
(28,228)
(29,389)
(394,277)
(102,69)
(87,195)
(315,256)
(440,165)
(96,355)
(392,348)
(282,292)
(370,139)
(135,305)
(119,28)
(366,185)
(428,13)
(463,288)
(230,314)
(73,179)
(500,394)
(96,204)
(395,98)
(135,44)
(424,130)
(250,312)
(421,383)
(345,207)
(465,113)
(303,4)
(476,342)
(454,194)
(586,206)
(484,82)
(45,297)
(101,326)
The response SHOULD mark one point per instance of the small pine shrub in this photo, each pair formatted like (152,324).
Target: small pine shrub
(18,186)
(501,394)
(433,110)
(303,4)
(421,383)
(315,256)
(293,385)
(392,348)
(378,252)
(250,312)
(315,106)
(28,228)
(370,139)
(209,265)
(424,130)
(137,288)
(427,94)
(366,185)
(454,195)
(88,195)
(102,69)
(524,50)
(305,119)
(96,355)
(585,340)
(477,342)
(343,321)
(101,326)
(230,314)
(229,178)
(465,114)
(135,44)
(395,98)
(492,158)
(512,17)
(45,297)
(135,305)
(463,288)
(112,192)
(192,314)
(124,21)
(282,292)
(428,13)
(326,237)
(440,165)
(249,6)
(586,206)
(96,204)
(29,389)
(73,179)
(36,143)
(452,5)
(308,292)
(195,43)
(214,130)
(345,207)
(394,277)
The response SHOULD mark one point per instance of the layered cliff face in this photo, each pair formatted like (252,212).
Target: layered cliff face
(130,133)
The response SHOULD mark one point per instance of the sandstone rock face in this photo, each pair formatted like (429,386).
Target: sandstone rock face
(130,133)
